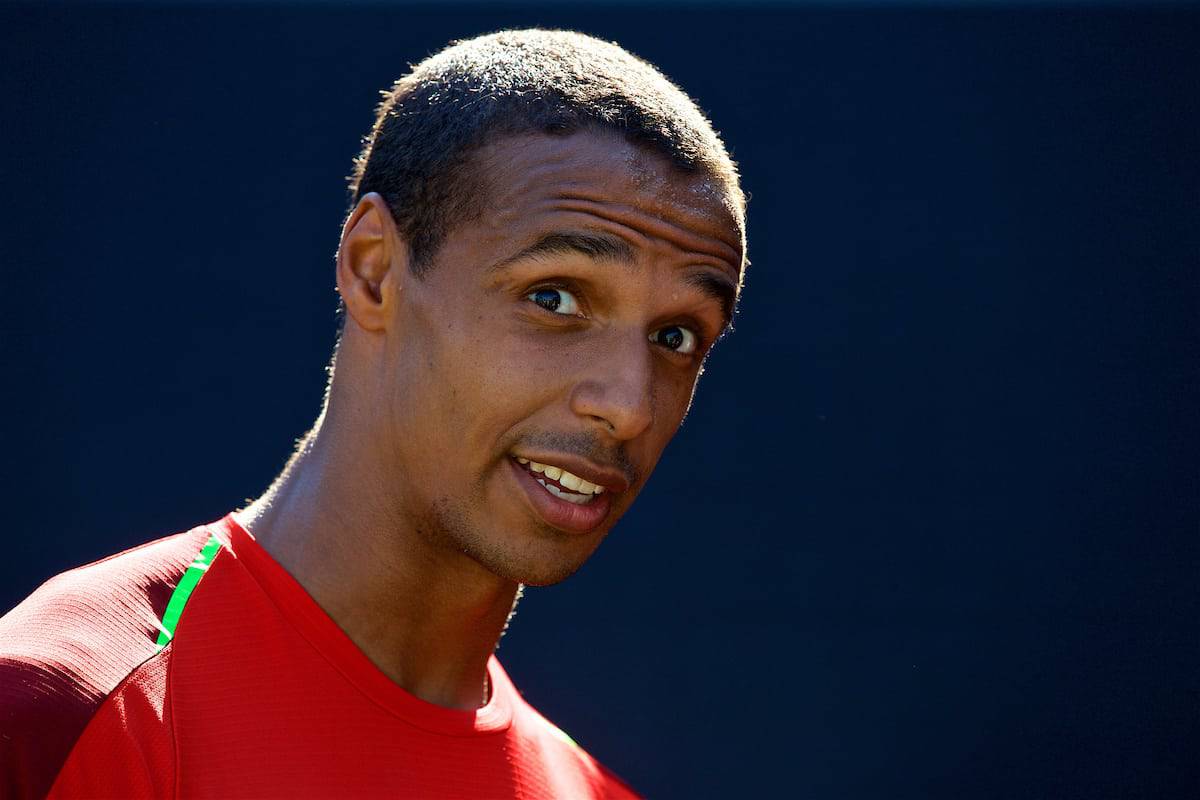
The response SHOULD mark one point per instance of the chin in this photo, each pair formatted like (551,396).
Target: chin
(535,556)
(547,574)
(541,564)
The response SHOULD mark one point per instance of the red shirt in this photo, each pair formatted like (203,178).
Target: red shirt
(257,694)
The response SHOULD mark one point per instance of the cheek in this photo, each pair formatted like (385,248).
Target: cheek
(675,388)
(476,378)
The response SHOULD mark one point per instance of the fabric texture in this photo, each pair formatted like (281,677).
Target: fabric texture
(67,646)
(258,694)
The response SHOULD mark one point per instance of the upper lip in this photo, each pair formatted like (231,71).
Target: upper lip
(610,478)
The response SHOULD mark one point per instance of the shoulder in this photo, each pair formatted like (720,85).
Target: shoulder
(566,760)
(127,749)
(70,644)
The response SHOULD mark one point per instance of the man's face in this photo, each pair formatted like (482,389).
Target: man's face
(560,335)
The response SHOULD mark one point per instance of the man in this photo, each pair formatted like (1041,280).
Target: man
(546,239)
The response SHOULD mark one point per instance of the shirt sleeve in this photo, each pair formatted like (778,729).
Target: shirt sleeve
(127,750)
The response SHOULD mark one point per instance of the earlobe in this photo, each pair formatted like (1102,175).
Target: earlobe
(367,261)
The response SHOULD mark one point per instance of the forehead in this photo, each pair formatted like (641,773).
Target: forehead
(530,179)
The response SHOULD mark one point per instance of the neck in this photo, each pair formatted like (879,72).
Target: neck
(428,617)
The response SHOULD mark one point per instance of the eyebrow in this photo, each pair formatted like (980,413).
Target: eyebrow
(595,246)
(613,249)
(719,288)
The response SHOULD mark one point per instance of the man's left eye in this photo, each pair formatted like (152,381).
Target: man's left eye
(560,301)
(680,340)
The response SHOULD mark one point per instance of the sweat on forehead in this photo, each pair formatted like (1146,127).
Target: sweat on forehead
(647,169)
(600,166)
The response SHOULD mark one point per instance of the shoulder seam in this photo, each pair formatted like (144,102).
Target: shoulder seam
(169,710)
(107,698)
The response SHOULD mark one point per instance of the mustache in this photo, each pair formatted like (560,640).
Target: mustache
(587,446)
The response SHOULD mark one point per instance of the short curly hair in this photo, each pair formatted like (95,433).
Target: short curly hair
(470,94)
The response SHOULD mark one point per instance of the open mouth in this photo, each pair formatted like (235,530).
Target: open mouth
(562,484)
(566,500)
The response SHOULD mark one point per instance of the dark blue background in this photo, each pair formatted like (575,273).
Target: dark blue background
(931,529)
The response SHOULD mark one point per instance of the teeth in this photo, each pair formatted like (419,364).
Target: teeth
(577,499)
(567,479)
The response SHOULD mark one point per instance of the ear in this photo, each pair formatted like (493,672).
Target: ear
(369,259)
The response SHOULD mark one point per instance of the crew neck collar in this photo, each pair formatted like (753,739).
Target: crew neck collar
(320,631)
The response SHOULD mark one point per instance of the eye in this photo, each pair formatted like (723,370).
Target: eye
(560,301)
(676,339)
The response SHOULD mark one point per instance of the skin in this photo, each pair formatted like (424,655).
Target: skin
(402,514)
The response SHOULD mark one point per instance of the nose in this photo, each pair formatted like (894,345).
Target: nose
(618,390)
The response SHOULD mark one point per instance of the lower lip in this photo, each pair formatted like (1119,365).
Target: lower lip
(561,513)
